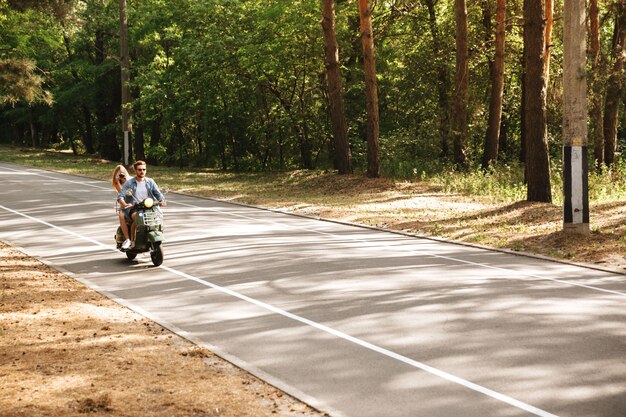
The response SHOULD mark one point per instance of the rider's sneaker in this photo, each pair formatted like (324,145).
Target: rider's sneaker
(126,244)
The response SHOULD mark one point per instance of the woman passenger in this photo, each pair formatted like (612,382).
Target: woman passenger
(120,175)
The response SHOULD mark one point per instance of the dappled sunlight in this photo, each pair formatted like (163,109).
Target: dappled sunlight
(477,323)
(410,206)
(313,301)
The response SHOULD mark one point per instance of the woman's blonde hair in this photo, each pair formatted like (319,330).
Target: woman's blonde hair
(115,181)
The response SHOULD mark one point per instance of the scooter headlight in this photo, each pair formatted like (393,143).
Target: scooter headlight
(148,202)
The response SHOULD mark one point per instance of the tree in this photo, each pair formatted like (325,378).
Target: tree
(459,113)
(249,87)
(125,80)
(87,130)
(371,90)
(490,154)
(549,17)
(443,83)
(614,85)
(595,83)
(21,81)
(534,117)
(29,43)
(343,158)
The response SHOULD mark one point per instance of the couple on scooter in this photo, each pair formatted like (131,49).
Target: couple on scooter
(134,190)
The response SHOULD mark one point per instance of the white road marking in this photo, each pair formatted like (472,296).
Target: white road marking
(423,253)
(411,362)
(520,274)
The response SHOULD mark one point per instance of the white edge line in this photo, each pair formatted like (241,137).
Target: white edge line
(434,255)
(416,364)
(270,379)
(427,253)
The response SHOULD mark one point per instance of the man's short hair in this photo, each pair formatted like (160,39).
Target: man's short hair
(137,163)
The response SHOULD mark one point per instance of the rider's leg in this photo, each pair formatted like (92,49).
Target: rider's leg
(133,227)
(123,225)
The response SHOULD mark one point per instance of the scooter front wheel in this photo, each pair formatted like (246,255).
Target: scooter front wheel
(157,254)
(131,255)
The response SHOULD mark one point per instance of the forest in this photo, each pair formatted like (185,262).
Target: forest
(399,88)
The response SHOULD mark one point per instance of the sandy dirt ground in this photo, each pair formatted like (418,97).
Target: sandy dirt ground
(66,350)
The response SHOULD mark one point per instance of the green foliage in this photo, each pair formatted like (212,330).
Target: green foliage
(504,183)
(240,85)
(19,82)
(29,47)
(608,184)
(156,154)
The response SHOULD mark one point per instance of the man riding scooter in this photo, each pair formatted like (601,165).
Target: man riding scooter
(135,190)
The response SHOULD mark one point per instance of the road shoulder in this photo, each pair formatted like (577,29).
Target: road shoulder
(66,350)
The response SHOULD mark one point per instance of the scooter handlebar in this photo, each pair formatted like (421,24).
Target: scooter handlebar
(141,205)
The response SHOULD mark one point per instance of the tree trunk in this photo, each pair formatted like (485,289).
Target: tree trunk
(139,143)
(490,154)
(138,136)
(73,146)
(306,150)
(522,133)
(125,81)
(443,83)
(88,140)
(549,7)
(306,142)
(299,128)
(343,157)
(537,157)
(155,137)
(281,149)
(614,86)
(503,146)
(595,86)
(156,131)
(232,137)
(109,148)
(34,135)
(460,83)
(371,90)
(17,135)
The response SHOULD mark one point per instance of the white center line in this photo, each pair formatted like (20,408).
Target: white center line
(509,273)
(408,361)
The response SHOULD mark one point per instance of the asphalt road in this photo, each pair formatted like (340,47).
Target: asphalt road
(356,322)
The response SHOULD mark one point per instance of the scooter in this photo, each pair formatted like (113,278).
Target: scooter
(149,232)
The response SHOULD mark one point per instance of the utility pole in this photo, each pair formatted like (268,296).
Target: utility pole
(125,70)
(575,165)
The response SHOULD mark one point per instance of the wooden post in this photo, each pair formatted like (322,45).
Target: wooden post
(575,166)
(125,71)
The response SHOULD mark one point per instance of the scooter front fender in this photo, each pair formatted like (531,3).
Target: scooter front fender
(156,236)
